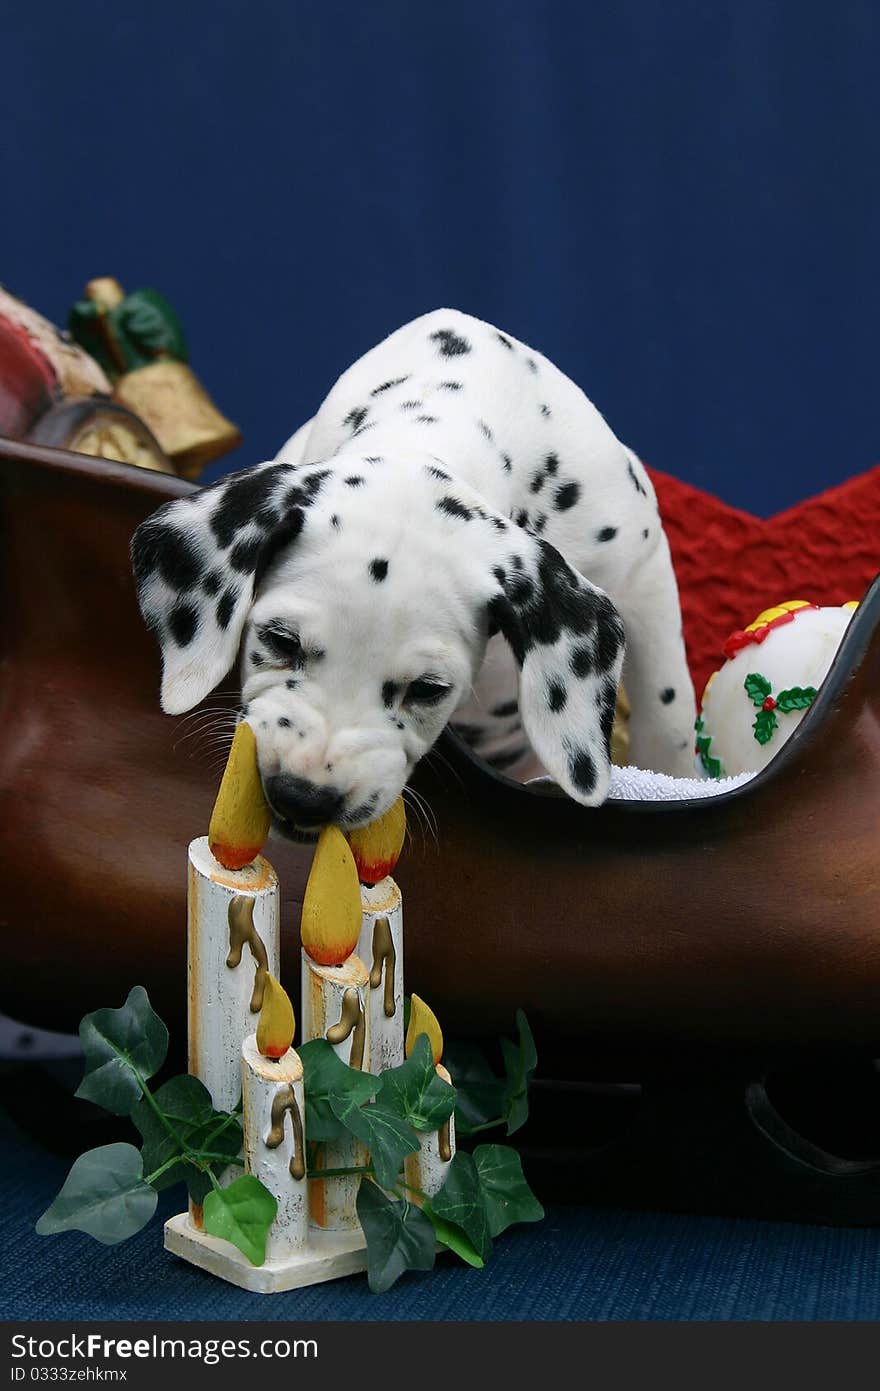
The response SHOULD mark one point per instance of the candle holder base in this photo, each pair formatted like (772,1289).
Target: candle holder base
(328,1256)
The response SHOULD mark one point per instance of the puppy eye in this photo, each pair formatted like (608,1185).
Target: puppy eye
(426,691)
(284,645)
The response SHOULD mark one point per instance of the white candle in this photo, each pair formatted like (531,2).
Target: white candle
(380,946)
(335,1006)
(426,1171)
(273,1114)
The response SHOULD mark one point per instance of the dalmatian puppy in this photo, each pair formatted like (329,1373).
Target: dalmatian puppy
(455,497)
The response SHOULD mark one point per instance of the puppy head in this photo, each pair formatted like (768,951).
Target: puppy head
(360,594)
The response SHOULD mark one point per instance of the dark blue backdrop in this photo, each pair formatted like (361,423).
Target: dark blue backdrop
(676,201)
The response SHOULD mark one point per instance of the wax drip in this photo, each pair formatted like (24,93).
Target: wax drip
(384,955)
(241,931)
(352,1021)
(284,1101)
(444,1142)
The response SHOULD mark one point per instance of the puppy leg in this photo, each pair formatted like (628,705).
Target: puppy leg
(655,671)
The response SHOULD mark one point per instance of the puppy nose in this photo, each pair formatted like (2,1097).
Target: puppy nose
(303,802)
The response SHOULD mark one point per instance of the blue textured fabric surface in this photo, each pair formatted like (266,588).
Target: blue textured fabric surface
(577,1264)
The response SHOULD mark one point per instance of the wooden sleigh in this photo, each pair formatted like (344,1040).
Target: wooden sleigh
(692,970)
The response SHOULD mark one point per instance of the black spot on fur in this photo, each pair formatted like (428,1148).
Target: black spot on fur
(635,480)
(507,462)
(426,420)
(566,496)
(450,386)
(450,343)
(438,473)
(183,621)
(551,464)
(257,659)
(606,713)
(386,386)
(522,518)
(607,533)
(390,691)
(291,683)
(283,535)
(520,590)
(355,481)
(356,417)
(484,429)
(583,660)
(531,364)
(609,633)
(499,523)
(171,552)
(582,767)
(500,574)
(243,555)
(370,425)
(539,523)
(453,508)
(378,570)
(668,696)
(557,696)
(242,498)
(517,562)
(283,722)
(411,405)
(503,712)
(335,521)
(212,583)
(645,534)
(225,607)
(537,482)
(502,338)
(545,411)
(373,459)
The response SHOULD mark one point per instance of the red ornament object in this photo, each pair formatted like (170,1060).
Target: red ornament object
(731,565)
(28,385)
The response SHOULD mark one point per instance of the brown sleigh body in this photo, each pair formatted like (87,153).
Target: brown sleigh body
(629,934)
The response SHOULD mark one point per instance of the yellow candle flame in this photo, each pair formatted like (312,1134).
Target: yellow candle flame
(376,848)
(241,818)
(276,1025)
(423,1020)
(332,913)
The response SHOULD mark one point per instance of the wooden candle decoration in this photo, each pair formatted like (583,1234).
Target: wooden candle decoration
(426,1171)
(376,849)
(273,1117)
(335,1006)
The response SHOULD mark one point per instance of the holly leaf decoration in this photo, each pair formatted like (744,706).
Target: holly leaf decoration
(104,1195)
(122,1047)
(186,1103)
(506,1193)
(479,1094)
(387,1136)
(757,688)
(333,1090)
(415,1092)
(765,723)
(399,1237)
(242,1214)
(520,1061)
(797,698)
(461,1202)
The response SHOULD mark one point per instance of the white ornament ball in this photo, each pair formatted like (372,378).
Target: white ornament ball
(757,699)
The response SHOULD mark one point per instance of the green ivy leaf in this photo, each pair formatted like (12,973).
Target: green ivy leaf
(399,1237)
(119,1045)
(797,698)
(388,1138)
(414,1092)
(461,1202)
(332,1089)
(454,1239)
(242,1214)
(104,1195)
(479,1094)
(520,1061)
(506,1193)
(757,688)
(187,1104)
(765,723)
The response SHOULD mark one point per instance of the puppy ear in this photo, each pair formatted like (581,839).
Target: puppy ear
(197,562)
(568,641)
